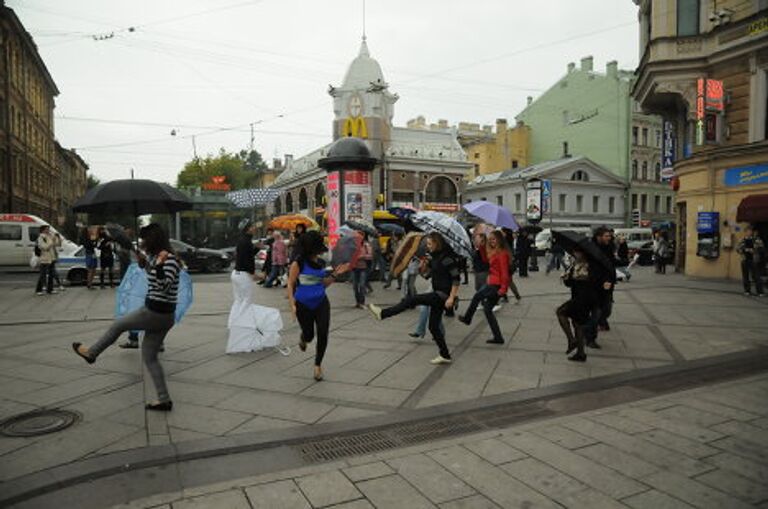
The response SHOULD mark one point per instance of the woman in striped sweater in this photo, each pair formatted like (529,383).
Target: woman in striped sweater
(156,317)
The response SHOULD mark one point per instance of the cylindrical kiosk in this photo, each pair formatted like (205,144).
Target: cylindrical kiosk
(349,187)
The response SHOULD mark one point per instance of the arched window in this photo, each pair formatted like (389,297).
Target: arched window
(634,169)
(645,170)
(303,200)
(580,176)
(288,202)
(441,190)
(278,206)
(319,195)
(658,172)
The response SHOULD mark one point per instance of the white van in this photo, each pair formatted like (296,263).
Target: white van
(18,234)
(544,237)
(636,237)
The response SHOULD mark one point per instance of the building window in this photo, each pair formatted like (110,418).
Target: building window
(645,170)
(658,138)
(643,203)
(477,155)
(669,205)
(561,204)
(580,176)
(688,17)
(514,163)
(518,201)
(579,203)
(634,201)
(645,136)
(611,205)
(657,172)
(634,135)
(500,200)
(657,204)
(595,204)
(634,169)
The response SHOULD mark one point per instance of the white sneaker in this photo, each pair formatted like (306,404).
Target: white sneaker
(375,310)
(54,292)
(497,308)
(440,360)
(39,293)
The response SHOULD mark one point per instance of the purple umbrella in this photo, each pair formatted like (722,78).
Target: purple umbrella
(493,214)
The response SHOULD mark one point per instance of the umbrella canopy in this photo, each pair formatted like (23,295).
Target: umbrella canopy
(347,249)
(118,234)
(401,212)
(405,252)
(571,241)
(451,230)
(492,214)
(390,228)
(291,221)
(249,198)
(133,196)
(362,226)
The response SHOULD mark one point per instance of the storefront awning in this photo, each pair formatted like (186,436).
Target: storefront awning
(753,209)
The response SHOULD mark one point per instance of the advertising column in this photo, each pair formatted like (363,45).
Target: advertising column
(533,203)
(333,211)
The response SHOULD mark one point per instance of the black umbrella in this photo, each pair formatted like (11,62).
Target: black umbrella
(133,196)
(571,241)
(363,227)
(118,234)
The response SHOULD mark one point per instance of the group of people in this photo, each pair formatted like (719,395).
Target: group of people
(100,253)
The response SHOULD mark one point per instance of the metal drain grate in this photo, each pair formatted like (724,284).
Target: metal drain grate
(435,429)
(39,422)
(344,446)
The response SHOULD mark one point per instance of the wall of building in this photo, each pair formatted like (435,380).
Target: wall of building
(508,148)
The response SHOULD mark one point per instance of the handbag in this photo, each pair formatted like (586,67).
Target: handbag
(34,261)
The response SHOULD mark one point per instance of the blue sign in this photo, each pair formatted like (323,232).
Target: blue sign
(746,175)
(708,222)
(668,152)
(546,194)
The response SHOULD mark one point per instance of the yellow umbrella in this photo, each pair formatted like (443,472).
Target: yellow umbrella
(290,221)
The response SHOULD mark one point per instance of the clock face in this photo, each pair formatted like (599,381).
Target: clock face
(355,106)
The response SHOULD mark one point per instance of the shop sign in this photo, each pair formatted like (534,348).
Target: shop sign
(746,175)
(533,200)
(668,152)
(758,27)
(334,212)
(217,183)
(707,222)
(709,98)
(440,207)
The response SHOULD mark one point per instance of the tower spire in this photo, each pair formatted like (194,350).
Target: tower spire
(364,21)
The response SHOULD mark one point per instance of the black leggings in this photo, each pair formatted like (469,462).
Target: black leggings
(319,318)
(436,305)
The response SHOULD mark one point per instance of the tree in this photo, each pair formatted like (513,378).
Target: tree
(92,181)
(240,169)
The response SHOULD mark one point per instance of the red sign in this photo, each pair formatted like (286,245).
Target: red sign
(16,218)
(357,177)
(714,96)
(217,183)
(700,85)
(334,212)
(441,207)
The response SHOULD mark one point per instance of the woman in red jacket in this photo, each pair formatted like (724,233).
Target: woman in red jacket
(497,256)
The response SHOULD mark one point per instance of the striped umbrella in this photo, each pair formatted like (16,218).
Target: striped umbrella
(451,230)
(407,249)
(249,198)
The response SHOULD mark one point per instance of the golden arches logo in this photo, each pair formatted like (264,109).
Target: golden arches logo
(355,126)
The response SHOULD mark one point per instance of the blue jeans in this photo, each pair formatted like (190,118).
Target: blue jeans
(359,280)
(421,326)
(273,273)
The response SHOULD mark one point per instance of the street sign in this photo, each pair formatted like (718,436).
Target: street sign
(708,222)
(533,190)
(546,195)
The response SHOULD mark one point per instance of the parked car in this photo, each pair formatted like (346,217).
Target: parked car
(201,258)
(18,234)
(72,268)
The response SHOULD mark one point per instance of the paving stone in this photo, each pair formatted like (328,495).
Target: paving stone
(735,485)
(621,423)
(590,499)
(256,378)
(745,431)
(260,423)
(638,447)
(716,408)
(368,471)
(213,421)
(277,495)
(234,499)
(563,436)
(587,471)
(393,492)
(431,479)
(653,499)
(473,502)
(357,393)
(682,428)
(327,488)
(742,448)
(342,413)
(692,491)
(495,451)
(410,371)
(620,461)
(742,402)
(280,406)
(543,478)
(691,415)
(489,480)
(355,504)
(678,443)
(15,388)
(75,388)
(753,470)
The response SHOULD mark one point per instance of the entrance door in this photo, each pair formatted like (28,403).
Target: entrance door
(682,236)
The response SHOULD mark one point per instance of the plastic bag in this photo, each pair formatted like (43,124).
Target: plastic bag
(134,286)
(34,261)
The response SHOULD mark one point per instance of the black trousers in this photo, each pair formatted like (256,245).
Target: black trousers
(489,296)
(45,278)
(315,320)
(747,268)
(522,265)
(436,305)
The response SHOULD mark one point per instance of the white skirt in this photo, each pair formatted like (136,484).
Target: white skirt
(251,327)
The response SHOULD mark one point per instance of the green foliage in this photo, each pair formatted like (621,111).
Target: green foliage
(241,169)
(92,181)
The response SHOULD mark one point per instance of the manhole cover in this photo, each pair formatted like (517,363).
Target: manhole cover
(39,422)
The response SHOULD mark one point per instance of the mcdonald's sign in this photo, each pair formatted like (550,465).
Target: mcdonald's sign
(355,127)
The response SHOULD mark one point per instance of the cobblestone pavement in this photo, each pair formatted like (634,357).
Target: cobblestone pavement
(704,448)
(371,367)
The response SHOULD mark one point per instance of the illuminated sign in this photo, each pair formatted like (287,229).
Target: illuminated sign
(217,183)
(355,127)
(440,207)
(668,152)
(709,97)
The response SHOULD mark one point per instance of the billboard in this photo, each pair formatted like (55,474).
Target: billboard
(668,152)
(333,207)
(533,190)
(358,204)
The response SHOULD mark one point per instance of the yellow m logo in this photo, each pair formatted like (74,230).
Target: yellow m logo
(355,126)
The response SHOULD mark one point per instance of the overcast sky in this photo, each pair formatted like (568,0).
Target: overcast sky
(212,67)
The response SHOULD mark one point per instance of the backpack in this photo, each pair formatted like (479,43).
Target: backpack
(38,251)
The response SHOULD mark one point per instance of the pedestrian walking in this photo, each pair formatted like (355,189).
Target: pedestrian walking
(573,315)
(442,268)
(522,252)
(155,318)
(279,259)
(389,254)
(556,254)
(601,312)
(307,283)
(106,258)
(660,252)
(480,265)
(497,256)
(45,247)
(622,257)
(753,257)
(361,270)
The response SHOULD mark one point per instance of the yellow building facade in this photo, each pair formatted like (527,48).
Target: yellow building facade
(506,148)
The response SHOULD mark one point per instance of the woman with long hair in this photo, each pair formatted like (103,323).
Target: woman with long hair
(582,279)
(307,281)
(496,254)
(442,268)
(155,318)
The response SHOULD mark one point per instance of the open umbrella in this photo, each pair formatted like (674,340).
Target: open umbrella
(362,226)
(118,234)
(290,221)
(347,248)
(249,198)
(571,241)
(405,251)
(401,212)
(492,214)
(133,196)
(451,230)
(390,228)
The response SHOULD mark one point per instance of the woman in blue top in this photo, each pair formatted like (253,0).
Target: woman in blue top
(307,281)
